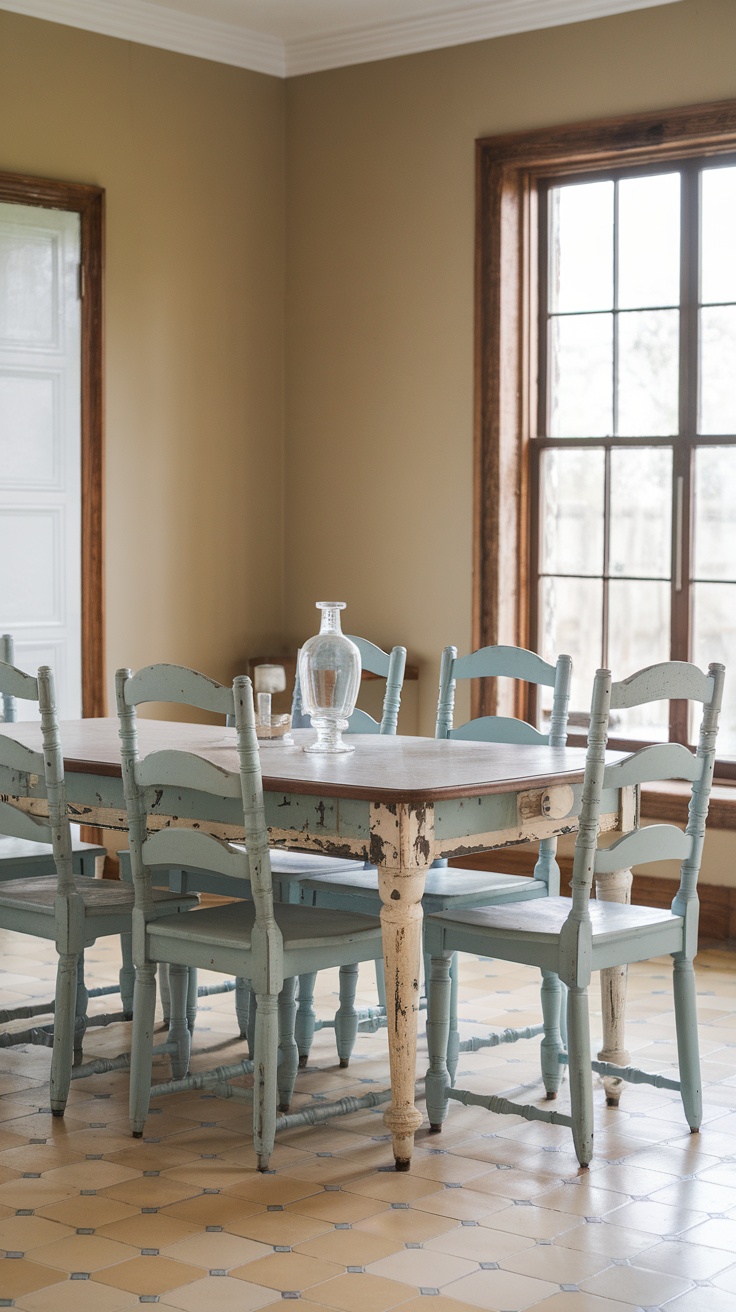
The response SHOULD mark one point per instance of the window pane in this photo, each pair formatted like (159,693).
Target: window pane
(715,513)
(718,370)
(28,264)
(581,247)
(718,260)
(641,512)
(714,639)
(648,373)
(571,622)
(572,511)
(649,241)
(581,376)
(638,635)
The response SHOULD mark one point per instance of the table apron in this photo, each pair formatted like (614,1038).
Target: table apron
(333,826)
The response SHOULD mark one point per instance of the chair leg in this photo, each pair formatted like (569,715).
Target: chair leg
(81,1006)
(178,1027)
(164,994)
(85,864)
(581,1082)
(64,1022)
(127,975)
(380,982)
(546,869)
(192,998)
(252,1013)
(141,1054)
(346,1017)
(243,1000)
(563,1015)
(453,1038)
(264,1087)
(551,1042)
(289,1064)
(305,1017)
(688,1048)
(437,1081)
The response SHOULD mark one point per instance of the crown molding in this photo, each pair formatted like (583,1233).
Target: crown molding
(478,22)
(168,29)
(230,43)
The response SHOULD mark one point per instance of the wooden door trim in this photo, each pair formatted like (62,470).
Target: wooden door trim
(89,203)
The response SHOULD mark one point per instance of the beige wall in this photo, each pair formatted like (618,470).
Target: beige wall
(380,184)
(191,156)
(370,500)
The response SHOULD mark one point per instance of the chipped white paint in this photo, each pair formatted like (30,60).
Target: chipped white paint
(614,887)
(553,803)
(402,844)
(529,832)
(557,802)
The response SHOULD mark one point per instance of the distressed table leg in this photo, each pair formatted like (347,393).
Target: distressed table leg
(615,887)
(402,848)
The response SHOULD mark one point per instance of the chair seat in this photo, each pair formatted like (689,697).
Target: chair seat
(446,886)
(22,851)
(231,925)
(544,919)
(298,864)
(102,897)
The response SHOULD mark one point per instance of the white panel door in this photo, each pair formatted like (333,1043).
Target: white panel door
(40,447)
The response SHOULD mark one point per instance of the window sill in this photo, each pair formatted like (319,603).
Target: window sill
(669,802)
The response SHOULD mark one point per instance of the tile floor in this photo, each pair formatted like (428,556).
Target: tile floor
(494,1214)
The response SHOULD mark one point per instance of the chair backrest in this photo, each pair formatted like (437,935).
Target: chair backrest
(503,662)
(387,665)
(47,766)
(662,761)
(7,656)
(145,777)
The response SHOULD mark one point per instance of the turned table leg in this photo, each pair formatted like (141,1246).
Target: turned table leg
(401,847)
(615,887)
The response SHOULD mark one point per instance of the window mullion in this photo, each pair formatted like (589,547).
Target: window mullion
(605,657)
(683,448)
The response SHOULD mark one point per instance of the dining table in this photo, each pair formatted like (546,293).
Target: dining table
(398,802)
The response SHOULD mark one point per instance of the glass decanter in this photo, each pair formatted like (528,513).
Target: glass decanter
(329,676)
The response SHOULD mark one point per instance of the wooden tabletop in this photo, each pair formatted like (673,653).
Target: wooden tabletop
(381,769)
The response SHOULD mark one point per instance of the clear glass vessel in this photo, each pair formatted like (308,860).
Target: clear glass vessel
(329,676)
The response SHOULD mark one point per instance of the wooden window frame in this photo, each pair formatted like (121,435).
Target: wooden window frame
(89,203)
(509,171)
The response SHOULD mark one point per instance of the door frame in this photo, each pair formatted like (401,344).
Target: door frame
(89,203)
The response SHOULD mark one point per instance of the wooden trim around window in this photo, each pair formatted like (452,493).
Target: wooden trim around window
(508,170)
(89,203)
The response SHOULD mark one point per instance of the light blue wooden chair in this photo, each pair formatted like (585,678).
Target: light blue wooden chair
(70,909)
(267,943)
(24,858)
(572,937)
(447,889)
(309,865)
(292,867)
(288,868)
(190,688)
(19,859)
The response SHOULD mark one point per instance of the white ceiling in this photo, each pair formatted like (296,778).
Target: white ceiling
(288,37)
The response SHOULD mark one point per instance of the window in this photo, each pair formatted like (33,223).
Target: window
(606,403)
